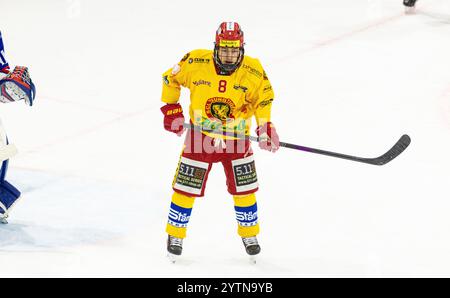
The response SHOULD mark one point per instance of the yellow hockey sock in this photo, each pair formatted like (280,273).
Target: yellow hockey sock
(247,215)
(179,214)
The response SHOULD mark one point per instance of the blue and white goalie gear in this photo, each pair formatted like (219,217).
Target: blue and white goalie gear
(8,193)
(8,196)
(16,86)
(4,67)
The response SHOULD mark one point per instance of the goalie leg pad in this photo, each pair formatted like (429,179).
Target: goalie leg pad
(8,196)
(8,193)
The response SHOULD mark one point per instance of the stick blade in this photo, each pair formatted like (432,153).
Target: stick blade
(395,151)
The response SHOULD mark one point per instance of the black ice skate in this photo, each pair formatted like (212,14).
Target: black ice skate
(410,6)
(251,245)
(174,247)
(409,3)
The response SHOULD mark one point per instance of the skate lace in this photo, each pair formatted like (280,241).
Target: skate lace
(176,241)
(250,241)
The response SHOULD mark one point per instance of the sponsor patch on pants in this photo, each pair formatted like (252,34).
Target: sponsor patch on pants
(245,174)
(190,176)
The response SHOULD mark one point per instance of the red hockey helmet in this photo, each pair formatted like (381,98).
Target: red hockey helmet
(229,35)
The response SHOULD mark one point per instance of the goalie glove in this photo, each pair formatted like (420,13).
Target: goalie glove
(16,86)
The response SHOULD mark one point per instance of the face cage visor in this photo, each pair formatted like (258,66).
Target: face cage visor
(227,67)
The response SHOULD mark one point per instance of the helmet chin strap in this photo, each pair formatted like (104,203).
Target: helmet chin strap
(225,68)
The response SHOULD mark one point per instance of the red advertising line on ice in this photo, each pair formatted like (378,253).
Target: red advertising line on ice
(336,39)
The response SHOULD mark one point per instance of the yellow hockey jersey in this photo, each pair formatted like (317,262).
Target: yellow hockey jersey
(225,102)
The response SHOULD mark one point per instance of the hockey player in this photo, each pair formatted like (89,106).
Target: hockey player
(227,89)
(14,86)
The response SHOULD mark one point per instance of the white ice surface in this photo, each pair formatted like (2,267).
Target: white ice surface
(95,165)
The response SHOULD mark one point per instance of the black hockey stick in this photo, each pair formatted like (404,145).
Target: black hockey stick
(395,151)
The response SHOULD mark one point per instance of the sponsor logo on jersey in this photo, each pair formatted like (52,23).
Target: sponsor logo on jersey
(252,70)
(265,103)
(230,43)
(213,124)
(199,60)
(202,82)
(220,108)
(267,88)
(239,87)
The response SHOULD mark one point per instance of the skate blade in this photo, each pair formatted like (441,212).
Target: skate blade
(172,258)
(3,221)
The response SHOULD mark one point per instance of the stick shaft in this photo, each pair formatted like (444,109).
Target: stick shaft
(396,150)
